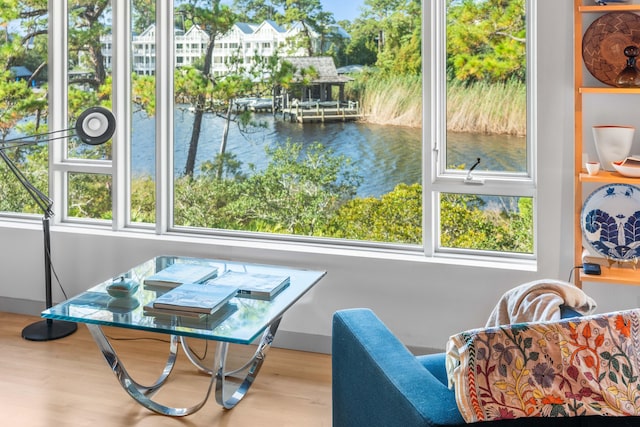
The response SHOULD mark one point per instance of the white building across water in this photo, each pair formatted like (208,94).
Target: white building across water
(244,42)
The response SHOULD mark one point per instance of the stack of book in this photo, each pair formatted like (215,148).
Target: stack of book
(192,300)
(193,320)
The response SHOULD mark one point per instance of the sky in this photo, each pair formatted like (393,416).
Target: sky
(343,9)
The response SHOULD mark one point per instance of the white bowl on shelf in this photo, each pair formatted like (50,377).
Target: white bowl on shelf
(626,169)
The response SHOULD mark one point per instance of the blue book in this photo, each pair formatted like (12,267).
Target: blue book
(196,297)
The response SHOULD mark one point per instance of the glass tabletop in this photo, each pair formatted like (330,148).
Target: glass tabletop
(239,321)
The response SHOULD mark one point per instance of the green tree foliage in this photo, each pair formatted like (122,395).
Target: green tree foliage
(215,19)
(465,223)
(86,26)
(21,44)
(144,14)
(28,46)
(32,162)
(143,200)
(396,217)
(362,48)
(399,35)
(90,196)
(299,189)
(296,194)
(388,35)
(144,96)
(17,100)
(256,10)
(308,15)
(486,40)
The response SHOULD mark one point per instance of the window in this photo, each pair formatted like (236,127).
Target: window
(89,84)
(210,142)
(23,96)
(142,110)
(230,148)
(483,168)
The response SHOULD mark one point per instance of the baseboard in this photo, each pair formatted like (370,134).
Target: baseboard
(303,342)
(21,306)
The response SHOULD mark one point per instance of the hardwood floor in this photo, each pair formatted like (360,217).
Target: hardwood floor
(66,383)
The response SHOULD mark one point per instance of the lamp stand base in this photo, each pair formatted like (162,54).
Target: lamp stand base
(48,330)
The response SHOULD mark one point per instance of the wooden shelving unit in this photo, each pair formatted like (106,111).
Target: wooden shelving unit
(616,273)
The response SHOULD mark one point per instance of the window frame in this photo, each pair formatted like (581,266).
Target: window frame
(435,180)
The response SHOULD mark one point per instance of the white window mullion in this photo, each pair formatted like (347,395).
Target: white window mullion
(532,88)
(57,93)
(433,117)
(164,115)
(121,102)
(532,110)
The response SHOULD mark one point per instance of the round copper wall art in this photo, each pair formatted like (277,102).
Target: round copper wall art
(604,42)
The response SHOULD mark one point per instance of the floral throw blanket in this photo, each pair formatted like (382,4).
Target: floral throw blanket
(582,366)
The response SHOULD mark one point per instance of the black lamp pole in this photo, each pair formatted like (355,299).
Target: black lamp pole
(95,126)
(48,329)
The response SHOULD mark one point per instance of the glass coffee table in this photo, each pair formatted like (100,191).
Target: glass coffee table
(242,321)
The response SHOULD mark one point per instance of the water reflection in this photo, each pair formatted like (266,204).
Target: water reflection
(499,153)
(385,155)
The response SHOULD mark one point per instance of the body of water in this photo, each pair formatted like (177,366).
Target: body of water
(385,155)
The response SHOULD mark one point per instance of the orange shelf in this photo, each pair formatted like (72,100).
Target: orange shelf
(615,275)
(610,90)
(610,8)
(607,177)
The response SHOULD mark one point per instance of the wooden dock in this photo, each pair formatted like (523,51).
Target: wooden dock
(323,112)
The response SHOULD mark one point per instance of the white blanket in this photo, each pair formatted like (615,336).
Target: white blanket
(539,301)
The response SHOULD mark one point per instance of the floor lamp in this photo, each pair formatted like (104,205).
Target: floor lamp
(94,126)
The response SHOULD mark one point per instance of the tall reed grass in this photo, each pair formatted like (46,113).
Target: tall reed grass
(496,108)
(392,101)
(490,108)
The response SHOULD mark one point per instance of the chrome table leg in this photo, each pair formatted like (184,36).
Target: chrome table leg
(143,394)
(253,366)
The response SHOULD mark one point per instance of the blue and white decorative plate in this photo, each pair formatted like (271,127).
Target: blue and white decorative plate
(610,221)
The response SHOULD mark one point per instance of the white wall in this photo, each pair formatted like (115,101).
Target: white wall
(423,301)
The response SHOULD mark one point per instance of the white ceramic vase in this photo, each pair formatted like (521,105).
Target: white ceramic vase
(613,143)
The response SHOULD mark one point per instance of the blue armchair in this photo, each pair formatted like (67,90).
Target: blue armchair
(378,382)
